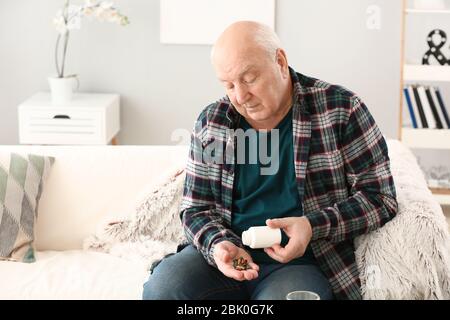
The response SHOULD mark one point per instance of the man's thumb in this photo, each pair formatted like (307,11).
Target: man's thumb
(278,223)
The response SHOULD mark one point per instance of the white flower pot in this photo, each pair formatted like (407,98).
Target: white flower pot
(429,4)
(62,89)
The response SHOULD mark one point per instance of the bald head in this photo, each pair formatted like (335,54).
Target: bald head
(245,36)
(253,68)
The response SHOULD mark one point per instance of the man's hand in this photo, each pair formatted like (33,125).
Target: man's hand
(299,231)
(225,252)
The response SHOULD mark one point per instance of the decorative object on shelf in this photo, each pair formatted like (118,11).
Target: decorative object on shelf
(438,176)
(429,4)
(435,50)
(69,18)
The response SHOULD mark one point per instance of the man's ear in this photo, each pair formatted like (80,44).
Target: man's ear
(282,63)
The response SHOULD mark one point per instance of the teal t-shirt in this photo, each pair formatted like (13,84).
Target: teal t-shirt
(258,197)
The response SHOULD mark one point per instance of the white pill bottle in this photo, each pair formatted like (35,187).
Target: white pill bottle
(261,237)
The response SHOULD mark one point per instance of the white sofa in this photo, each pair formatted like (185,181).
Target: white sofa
(86,185)
(90,185)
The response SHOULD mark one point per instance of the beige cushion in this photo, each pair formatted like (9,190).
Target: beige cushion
(22,180)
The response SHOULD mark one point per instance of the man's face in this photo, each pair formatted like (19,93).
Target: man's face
(254,82)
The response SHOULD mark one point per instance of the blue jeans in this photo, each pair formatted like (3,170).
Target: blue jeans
(187,276)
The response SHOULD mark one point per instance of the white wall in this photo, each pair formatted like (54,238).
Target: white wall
(164,87)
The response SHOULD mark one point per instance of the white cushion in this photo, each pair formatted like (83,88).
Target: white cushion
(72,274)
(89,183)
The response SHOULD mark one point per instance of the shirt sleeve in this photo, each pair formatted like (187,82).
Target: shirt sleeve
(203,225)
(372,197)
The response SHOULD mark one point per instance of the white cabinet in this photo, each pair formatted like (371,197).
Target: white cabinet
(88,119)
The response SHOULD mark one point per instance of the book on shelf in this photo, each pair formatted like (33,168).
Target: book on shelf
(426,107)
(433,108)
(415,108)
(410,107)
(423,120)
(443,108)
(439,109)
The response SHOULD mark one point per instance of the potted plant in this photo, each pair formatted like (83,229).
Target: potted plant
(67,19)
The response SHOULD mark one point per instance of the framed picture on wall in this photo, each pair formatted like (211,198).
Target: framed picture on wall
(201,21)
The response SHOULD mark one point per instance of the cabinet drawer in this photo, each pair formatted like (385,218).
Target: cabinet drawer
(61,126)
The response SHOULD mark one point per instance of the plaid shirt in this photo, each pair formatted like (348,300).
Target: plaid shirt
(342,170)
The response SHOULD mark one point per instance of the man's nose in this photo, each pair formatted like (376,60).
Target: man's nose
(241,94)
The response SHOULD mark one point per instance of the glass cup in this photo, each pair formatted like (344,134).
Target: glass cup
(302,295)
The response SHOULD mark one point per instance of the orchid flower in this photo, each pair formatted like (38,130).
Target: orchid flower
(69,18)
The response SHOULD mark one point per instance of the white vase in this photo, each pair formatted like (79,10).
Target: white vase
(62,89)
(429,4)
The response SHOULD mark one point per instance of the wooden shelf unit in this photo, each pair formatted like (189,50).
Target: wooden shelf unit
(423,138)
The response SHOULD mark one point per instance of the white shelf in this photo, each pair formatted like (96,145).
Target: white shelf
(426,73)
(441,195)
(443,199)
(426,138)
(419,11)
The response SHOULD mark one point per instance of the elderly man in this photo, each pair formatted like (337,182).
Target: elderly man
(331,182)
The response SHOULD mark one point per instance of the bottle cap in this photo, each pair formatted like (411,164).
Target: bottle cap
(246,238)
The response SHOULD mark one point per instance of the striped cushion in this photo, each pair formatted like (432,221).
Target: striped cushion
(22,179)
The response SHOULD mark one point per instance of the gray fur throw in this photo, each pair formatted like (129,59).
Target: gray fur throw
(408,258)
(151,231)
